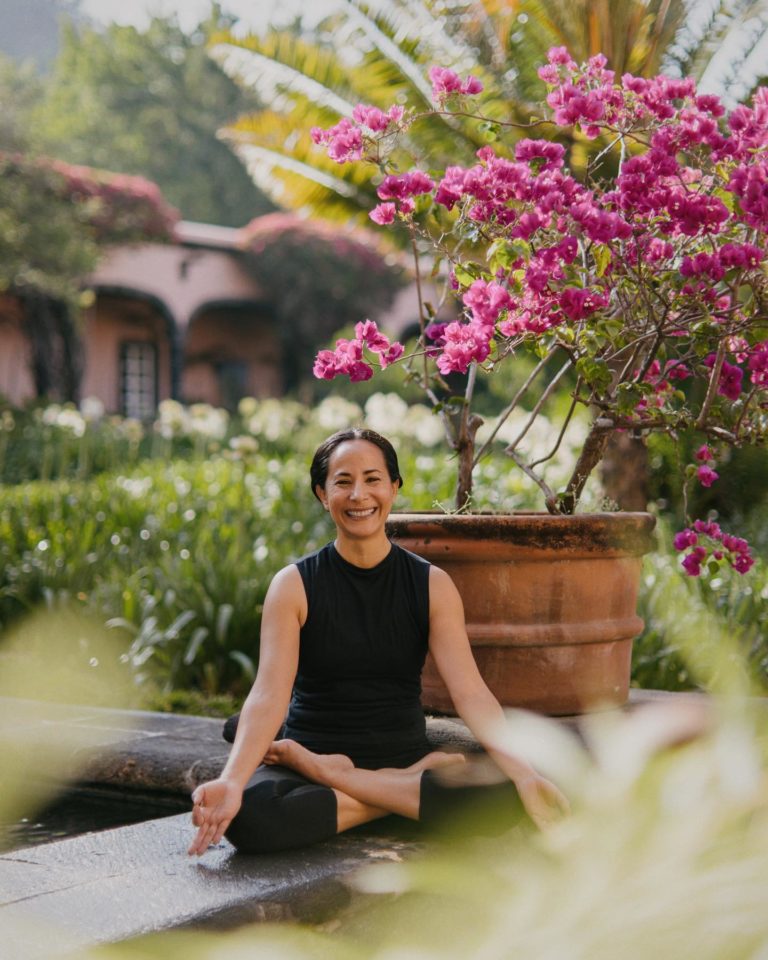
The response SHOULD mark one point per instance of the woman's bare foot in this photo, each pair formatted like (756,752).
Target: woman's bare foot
(437,759)
(319,767)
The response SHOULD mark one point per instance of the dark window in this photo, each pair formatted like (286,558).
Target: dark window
(138,379)
(233,382)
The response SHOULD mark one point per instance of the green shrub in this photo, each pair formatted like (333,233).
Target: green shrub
(175,551)
(666,655)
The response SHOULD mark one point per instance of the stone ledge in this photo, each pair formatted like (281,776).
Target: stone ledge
(122,883)
(140,750)
(168,753)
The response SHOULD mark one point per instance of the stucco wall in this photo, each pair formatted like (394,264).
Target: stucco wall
(221,335)
(16,381)
(183,278)
(112,321)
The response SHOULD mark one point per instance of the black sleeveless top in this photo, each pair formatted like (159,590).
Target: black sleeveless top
(361,652)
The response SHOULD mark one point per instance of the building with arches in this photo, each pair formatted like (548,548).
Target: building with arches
(183,320)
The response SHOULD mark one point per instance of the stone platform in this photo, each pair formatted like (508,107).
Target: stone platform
(122,883)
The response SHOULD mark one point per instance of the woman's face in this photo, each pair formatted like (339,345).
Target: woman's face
(358,491)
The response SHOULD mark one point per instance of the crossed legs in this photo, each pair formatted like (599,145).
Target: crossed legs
(361,795)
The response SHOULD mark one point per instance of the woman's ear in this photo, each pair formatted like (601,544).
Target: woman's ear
(320,494)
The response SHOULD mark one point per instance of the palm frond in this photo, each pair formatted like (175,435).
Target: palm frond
(285,63)
(379,52)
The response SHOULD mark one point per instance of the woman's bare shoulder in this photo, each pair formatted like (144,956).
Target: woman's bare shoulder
(287,582)
(440,583)
(286,590)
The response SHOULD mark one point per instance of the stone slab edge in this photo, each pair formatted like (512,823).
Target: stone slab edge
(122,883)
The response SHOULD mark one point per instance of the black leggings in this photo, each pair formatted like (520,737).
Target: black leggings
(282,810)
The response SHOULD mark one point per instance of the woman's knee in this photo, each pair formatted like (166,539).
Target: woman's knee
(269,822)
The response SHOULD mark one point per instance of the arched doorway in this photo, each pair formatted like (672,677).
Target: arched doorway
(231,350)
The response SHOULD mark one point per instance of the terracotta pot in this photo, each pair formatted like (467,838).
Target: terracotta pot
(550,602)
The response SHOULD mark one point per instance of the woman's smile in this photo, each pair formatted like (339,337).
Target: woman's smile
(361,514)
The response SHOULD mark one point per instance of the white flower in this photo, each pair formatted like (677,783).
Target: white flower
(136,487)
(274,419)
(208,421)
(539,441)
(247,407)
(70,420)
(132,429)
(244,445)
(91,408)
(51,414)
(336,413)
(424,426)
(386,413)
(172,419)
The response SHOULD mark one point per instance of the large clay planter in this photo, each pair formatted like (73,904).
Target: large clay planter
(550,602)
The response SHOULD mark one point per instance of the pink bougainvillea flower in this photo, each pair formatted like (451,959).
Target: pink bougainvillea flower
(383,214)
(707,475)
(344,141)
(445,82)
(684,539)
(709,528)
(370,336)
(411,184)
(464,344)
(692,562)
(704,454)
(758,364)
(486,301)
(375,119)
(325,366)
(391,355)
(731,376)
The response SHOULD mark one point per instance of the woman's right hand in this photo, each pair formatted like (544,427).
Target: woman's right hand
(544,803)
(216,804)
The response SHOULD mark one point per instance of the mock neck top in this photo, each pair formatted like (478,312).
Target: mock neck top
(362,648)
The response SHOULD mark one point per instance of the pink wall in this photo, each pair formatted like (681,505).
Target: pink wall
(183,278)
(221,335)
(16,381)
(112,321)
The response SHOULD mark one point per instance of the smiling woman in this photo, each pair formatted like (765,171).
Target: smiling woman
(356,477)
(345,632)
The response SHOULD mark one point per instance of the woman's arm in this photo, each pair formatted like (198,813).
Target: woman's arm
(217,802)
(474,702)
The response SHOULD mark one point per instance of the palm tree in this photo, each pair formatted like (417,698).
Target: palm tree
(378,53)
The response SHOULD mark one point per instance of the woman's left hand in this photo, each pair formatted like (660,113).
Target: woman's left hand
(544,803)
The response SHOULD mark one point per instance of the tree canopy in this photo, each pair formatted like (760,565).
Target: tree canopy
(151,103)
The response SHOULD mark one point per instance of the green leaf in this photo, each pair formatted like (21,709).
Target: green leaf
(602,257)
(595,372)
(503,253)
(467,273)
(491,131)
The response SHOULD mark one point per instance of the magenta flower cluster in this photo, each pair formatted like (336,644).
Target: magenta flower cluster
(704,541)
(650,283)
(349,356)
(445,83)
(119,207)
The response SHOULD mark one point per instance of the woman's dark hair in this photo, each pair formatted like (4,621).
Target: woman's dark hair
(318,470)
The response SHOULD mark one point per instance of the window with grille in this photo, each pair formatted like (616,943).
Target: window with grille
(233,379)
(138,379)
